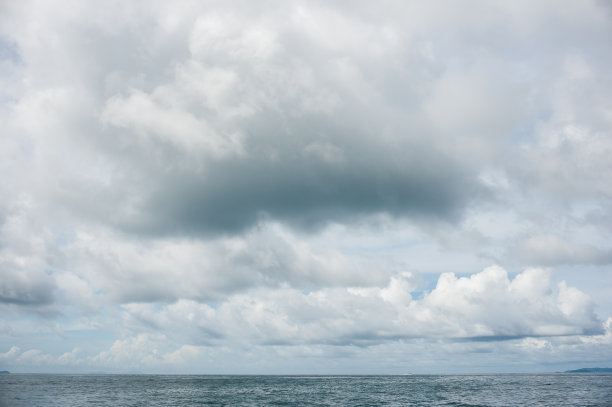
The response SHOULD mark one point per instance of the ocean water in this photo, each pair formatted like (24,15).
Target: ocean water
(34,390)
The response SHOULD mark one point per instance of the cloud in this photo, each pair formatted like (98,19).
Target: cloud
(246,126)
(11,353)
(25,288)
(202,123)
(281,331)
(111,268)
(294,174)
(553,250)
(486,305)
(23,281)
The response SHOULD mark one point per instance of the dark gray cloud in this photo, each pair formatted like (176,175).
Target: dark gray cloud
(256,124)
(305,192)
(23,288)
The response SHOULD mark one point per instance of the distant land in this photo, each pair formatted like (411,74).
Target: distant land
(4,372)
(591,370)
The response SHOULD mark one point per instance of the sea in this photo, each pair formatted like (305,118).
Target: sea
(33,390)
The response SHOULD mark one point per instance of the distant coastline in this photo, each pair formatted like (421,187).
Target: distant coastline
(591,370)
(4,372)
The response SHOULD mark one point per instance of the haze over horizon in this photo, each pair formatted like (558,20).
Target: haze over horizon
(305,187)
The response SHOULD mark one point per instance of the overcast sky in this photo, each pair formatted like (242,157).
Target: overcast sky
(305,187)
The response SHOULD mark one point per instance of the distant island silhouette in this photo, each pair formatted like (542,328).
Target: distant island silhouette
(4,372)
(591,370)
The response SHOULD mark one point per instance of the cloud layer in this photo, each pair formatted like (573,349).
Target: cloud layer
(303,177)
(529,312)
(484,306)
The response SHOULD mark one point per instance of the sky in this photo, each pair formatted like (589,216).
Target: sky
(306,187)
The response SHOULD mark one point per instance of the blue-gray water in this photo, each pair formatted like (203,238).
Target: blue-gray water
(430,390)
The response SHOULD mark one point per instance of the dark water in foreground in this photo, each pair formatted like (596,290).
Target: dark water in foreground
(431,390)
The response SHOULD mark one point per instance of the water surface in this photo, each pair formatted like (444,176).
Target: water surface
(34,390)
